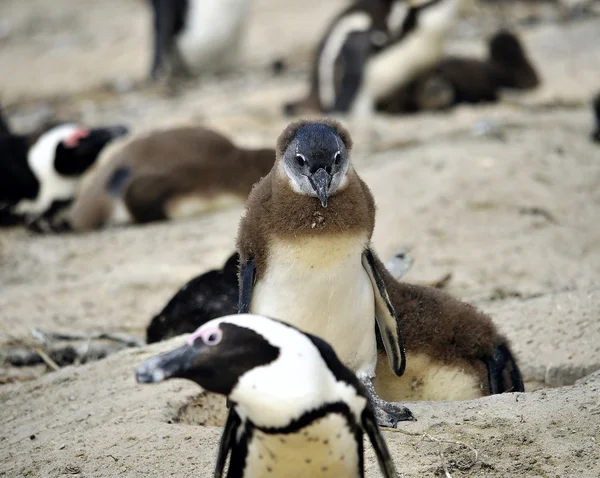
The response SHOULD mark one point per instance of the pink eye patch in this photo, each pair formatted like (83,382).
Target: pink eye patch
(210,336)
(73,139)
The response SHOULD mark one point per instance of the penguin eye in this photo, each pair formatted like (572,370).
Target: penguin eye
(301,160)
(337,158)
(212,336)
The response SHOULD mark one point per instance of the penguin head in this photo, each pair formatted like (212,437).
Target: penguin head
(71,149)
(271,371)
(506,51)
(314,157)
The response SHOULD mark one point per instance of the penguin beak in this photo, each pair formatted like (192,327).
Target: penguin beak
(175,363)
(320,181)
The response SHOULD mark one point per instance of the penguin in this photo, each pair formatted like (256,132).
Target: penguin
(296,410)
(367,54)
(457,80)
(40,171)
(596,108)
(306,255)
(196,36)
(214,294)
(165,174)
(205,297)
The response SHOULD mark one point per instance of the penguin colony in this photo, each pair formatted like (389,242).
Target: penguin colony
(358,340)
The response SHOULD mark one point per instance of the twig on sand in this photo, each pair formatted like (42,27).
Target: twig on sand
(439,441)
(121,338)
(43,355)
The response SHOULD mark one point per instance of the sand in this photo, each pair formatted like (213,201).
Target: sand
(505,197)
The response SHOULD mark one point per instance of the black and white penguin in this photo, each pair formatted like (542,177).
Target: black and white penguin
(306,255)
(596,110)
(40,171)
(197,36)
(457,80)
(166,174)
(296,411)
(367,53)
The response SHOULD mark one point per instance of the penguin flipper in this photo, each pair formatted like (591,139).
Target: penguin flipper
(369,423)
(387,320)
(246,285)
(227,441)
(355,53)
(503,372)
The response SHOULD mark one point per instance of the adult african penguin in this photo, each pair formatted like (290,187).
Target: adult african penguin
(367,53)
(596,110)
(165,174)
(197,36)
(40,171)
(296,411)
(306,255)
(455,80)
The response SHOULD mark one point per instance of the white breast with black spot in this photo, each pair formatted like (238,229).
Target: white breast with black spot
(325,448)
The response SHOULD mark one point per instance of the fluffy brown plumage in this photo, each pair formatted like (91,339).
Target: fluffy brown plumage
(451,334)
(166,174)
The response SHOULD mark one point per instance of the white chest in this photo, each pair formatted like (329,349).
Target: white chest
(320,286)
(325,448)
(212,33)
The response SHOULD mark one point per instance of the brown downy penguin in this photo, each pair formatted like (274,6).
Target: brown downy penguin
(297,411)
(40,171)
(167,174)
(596,110)
(305,255)
(366,54)
(197,36)
(457,80)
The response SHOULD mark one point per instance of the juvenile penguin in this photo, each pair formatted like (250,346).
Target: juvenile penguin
(197,36)
(367,53)
(168,174)
(457,80)
(596,110)
(305,255)
(214,294)
(40,171)
(296,411)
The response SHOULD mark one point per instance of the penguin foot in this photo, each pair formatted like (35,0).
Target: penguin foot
(400,263)
(388,414)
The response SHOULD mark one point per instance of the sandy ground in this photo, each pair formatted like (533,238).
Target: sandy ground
(505,197)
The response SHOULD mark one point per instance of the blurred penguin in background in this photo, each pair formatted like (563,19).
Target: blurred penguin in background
(192,37)
(373,48)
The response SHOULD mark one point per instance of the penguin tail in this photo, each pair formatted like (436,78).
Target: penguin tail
(503,372)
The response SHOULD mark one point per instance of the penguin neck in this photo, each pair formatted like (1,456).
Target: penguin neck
(350,211)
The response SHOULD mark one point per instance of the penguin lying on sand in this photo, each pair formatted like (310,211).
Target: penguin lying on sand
(215,294)
(297,411)
(366,54)
(196,36)
(466,80)
(167,174)
(40,171)
(305,253)
(596,108)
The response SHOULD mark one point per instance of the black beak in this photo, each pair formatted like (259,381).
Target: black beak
(175,363)
(320,181)
(111,132)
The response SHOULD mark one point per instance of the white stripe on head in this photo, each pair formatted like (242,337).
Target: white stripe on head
(354,22)
(40,159)
(296,382)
